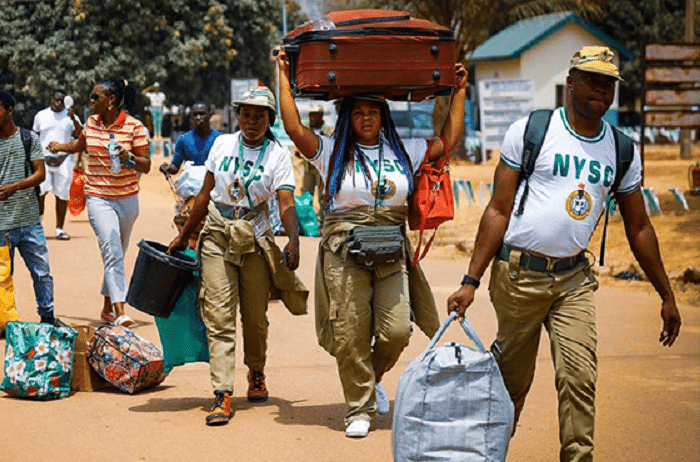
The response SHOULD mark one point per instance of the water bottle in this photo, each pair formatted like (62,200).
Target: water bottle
(68,103)
(113,149)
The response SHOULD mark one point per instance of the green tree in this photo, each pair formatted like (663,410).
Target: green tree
(635,23)
(192,47)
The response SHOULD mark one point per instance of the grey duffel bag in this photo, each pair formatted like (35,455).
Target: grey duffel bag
(451,405)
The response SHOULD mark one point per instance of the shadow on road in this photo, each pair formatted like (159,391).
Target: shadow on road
(288,413)
(173,404)
(324,415)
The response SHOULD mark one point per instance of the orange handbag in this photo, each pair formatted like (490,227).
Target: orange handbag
(432,201)
(76,204)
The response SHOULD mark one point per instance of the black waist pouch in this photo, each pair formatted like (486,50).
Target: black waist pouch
(375,245)
(55,161)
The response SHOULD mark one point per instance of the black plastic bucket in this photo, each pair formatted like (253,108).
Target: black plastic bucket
(159,278)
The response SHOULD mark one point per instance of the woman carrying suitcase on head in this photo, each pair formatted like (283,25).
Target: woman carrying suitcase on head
(363,312)
(240,262)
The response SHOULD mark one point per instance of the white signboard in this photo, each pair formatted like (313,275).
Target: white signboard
(502,102)
(240,86)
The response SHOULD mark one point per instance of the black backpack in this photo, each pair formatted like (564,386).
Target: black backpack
(535,131)
(28,168)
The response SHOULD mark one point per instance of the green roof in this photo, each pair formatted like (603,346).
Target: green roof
(516,39)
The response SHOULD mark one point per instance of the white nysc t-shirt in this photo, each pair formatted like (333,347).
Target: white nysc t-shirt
(274,173)
(572,177)
(356,190)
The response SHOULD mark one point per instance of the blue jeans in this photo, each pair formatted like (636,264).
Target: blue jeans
(31,242)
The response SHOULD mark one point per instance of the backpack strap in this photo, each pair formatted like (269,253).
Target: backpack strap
(535,131)
(624,149)
(27,142)
(624,153)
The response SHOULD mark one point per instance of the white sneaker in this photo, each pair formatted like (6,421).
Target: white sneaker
(357,429)
(382,399)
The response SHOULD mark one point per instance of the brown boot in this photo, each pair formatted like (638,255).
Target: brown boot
(222,411)
(257,390)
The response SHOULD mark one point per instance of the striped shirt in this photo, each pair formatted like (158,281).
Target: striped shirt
(99,179)
(22,208)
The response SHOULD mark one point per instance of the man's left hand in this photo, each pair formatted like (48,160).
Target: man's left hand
(164,168)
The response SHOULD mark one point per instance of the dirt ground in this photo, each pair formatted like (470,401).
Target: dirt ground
(648,397)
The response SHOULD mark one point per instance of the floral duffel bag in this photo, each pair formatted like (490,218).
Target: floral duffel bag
(125,359)
(38,360)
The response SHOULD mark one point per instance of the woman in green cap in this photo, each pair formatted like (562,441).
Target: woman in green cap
(240,262)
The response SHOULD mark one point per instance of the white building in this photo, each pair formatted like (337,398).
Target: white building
(539,49)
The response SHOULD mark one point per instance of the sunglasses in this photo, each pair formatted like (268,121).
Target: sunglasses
(94,96)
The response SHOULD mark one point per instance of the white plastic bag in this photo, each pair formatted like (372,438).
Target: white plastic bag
(190,180)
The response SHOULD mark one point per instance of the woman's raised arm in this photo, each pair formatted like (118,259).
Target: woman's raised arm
(454,124)
(303,137)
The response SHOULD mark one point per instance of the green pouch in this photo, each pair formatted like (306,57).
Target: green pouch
(306,215)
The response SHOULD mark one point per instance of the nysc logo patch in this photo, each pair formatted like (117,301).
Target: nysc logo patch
(236,191)
(578,204)
(385,190)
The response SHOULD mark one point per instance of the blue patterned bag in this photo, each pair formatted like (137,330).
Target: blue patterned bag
(38,360)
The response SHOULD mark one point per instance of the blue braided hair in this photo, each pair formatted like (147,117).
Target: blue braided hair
(345,149)
(396,145)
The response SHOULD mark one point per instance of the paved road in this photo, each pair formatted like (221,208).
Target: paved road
(648,397)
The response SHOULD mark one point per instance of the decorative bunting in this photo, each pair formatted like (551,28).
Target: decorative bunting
(653,201)
(455,192)
(678,194)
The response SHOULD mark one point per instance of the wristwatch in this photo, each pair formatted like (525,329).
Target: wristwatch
(130,161)
(471,281)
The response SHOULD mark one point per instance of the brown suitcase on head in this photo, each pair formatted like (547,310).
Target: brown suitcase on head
(377,52)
